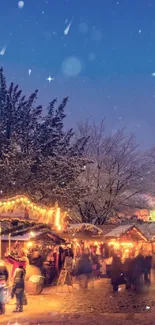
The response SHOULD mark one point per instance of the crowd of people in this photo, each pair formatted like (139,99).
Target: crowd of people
(46,262)
(132,269)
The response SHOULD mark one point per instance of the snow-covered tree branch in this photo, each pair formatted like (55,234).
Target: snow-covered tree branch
(118,176)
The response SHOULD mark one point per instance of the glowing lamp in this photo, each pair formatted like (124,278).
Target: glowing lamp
(29,244)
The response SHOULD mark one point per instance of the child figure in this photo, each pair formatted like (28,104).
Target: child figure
(18,288)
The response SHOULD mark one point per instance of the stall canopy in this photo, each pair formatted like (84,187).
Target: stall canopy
(83,231)
(131,232)
(29,231)
(23,207)
(148,229)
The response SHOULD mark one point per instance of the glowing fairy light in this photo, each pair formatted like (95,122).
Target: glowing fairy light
(57,219)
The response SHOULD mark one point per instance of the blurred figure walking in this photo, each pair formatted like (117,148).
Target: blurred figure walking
(83,271)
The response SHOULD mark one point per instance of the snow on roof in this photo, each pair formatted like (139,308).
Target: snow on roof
(84,227)
(120,230)
(148,229)
(25,237)
(107,228)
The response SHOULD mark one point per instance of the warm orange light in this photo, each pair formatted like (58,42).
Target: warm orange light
(29,244)
(47,213)
(119,244)
(57,219)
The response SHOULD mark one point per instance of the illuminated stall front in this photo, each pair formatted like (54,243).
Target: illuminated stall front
(82,237)
(126,238)
(24,208)
(26,226)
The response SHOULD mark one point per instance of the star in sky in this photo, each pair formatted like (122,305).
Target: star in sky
(50,79)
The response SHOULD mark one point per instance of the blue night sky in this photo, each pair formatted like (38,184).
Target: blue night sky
(100,53)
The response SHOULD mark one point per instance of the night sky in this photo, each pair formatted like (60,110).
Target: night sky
(99,53)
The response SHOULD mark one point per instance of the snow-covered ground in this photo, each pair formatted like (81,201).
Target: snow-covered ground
(96,306)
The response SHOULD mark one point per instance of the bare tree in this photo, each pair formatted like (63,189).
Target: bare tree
(117,177)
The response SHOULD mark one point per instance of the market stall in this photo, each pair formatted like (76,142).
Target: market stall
(83,236)
(126,237)
(23,208)
(21,239)
(25,227)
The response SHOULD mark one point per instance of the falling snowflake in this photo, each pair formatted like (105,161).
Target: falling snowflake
(2,52)
(20,4)
(153,74)
(66,31)
(29,72)
(50,79)
(140,31)
(43,12)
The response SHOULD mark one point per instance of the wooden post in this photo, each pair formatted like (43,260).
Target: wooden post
(10,266)
(0,241)
(9,243)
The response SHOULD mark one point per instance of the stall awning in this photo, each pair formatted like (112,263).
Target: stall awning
(126,230)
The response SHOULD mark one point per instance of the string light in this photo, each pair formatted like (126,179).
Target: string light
(45,212)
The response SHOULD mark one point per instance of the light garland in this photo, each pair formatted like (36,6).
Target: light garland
(47,214)
(84,227)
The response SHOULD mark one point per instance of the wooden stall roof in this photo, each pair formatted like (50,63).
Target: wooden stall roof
(19,226)
(120,231)
(107,228)
(49,237)
(148,229)
(43,236)
(82,231)
(21,230)
(78,227)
